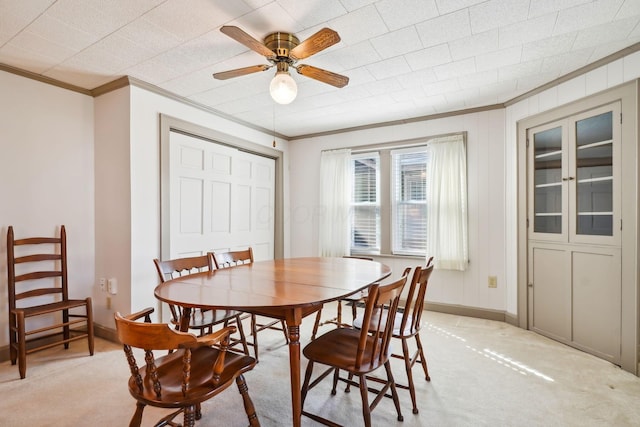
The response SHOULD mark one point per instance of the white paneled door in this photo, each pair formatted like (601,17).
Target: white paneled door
(221,198)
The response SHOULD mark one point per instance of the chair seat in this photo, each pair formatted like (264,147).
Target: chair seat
(201,387)
(50,308)
(338,347)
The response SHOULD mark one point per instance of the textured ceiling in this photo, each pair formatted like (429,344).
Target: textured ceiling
(404,58)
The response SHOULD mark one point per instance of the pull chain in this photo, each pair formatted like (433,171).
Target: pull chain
(274,126)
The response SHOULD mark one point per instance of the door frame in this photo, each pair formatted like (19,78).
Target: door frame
(168,124)
(627,94)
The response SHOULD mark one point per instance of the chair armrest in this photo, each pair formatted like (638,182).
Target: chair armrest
(210,339)
(146,313)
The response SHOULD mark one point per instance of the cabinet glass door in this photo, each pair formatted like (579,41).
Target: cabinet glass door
(594,175)
(547,180)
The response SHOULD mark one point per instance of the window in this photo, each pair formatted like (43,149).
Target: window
(405,230)
(409,200)
(412,201)
(365,204)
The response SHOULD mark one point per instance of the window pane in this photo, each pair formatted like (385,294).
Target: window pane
(365,206)
(409,172)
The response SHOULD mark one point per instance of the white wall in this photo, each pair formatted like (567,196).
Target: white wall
(613,74)
(113,202)
(131,238)
(46,175)
(486,184)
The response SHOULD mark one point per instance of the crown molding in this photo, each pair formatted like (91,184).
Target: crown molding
(43,79)
(580,71)
(401,122)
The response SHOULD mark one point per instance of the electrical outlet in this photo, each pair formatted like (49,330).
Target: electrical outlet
(103,284)
(493,281)
(112,286)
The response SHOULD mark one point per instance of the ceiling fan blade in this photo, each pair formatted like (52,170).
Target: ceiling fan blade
(324,76)
(314,44)
(224,75)
(240,36)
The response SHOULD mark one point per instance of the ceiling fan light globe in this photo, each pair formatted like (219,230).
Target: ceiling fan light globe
(283,88)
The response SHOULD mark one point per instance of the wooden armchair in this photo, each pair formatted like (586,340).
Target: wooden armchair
(201,321)
(233,259)
(38,293)
(358,353)
(183,379)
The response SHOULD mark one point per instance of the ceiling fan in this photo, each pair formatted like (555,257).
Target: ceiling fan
(284,50)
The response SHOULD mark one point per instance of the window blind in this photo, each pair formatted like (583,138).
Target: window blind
(365,207)
(409,200)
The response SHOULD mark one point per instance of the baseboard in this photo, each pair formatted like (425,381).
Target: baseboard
(105,333)
(98,331)
(461,310)
(512,319)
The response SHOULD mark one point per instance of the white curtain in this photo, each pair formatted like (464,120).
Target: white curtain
(335,202)
(447,239)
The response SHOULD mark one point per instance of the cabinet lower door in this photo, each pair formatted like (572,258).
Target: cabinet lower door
(574,296)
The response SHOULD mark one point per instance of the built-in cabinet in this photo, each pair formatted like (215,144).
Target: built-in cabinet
(574,220)
(574,248)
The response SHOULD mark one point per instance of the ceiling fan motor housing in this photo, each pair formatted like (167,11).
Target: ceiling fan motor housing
(281,44)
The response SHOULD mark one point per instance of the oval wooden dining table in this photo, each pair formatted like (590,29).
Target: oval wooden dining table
(289,289)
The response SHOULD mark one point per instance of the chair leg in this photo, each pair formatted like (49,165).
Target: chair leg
(136,420)
(394,391)
(305,383)
(90,340)
(243,337)
(13,338)
(66,331)
(423,360)
(22,345)
(316,325)
(347,389)
(364,393)
(408,368)
(249,409)
(254,333)
(284,330)
(336,377)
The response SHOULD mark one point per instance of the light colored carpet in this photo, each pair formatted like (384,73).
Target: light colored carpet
(484,373)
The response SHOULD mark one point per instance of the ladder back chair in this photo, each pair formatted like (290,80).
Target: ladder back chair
(352,301)
(358,352)
(195,370)
(407,325)
(38,292)
(201,321)
(236,258)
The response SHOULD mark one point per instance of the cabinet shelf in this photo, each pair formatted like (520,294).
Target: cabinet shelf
(595,144)
(595,213)
(600,179)
(549,184)
(549,154)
